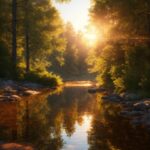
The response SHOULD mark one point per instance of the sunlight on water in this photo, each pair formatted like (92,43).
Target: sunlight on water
(79,84)
(78,141)
(69,120)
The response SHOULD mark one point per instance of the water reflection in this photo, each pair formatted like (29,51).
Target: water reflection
(78,141)
(69,120)
(109,131)
(45,121)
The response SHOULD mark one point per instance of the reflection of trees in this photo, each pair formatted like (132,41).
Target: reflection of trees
(111,132)
(39,120)
(71,107)
(35,124)
(8,118)
(29,118)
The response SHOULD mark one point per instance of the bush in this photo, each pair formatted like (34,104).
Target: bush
(43,78)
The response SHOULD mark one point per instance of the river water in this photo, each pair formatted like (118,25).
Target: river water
(70,119)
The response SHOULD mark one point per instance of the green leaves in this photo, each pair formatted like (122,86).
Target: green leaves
(122,60)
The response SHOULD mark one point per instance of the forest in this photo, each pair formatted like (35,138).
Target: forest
(36,45)
(122,61)
(74,75)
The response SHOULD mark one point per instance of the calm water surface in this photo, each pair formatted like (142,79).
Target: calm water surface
(70,119)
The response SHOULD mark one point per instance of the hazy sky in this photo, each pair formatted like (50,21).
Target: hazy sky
(75,12)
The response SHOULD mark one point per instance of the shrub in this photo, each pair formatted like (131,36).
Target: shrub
(44,78)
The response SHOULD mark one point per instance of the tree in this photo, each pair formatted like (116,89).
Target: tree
(35,29)
(14,35)
(127,41)
(73,60)
(27,36)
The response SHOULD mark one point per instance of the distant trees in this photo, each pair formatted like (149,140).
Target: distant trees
(73,61)
(122,61)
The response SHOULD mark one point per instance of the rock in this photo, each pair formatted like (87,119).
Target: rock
(8,84)
(112,97)
(128,104)
(16,97)
(30,92)
(95,90)
(143,105)
(92,91)
(31,85)
(130,96)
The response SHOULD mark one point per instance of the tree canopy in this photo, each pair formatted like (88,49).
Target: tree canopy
(122,60)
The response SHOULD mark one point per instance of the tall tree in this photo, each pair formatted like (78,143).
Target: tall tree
(27,36)
(14,35)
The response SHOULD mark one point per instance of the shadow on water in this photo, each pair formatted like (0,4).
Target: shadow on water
(110,131)
(71,119)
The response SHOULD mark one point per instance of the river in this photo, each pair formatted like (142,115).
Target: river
(70,119)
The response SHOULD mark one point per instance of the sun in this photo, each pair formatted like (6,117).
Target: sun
(92,36)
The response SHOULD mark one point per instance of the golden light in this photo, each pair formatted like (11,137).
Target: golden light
(92,36)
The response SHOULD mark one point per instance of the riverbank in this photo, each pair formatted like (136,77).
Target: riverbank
(134,106)
(12,90)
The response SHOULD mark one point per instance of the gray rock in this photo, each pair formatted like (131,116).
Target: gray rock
(8,84)
(112,97)
(32,85)
(130,96)
(143,105)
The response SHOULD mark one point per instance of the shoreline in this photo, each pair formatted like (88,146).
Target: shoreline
(134,107)
(11,91)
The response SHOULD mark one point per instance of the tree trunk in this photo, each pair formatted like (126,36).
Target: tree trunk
(27,37)
(14,36)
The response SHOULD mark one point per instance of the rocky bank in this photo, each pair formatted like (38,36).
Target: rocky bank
(134,107)
(11,91)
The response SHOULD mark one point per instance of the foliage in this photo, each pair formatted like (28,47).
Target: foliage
(73,61)
(122,60)
(44,27)
(44,78)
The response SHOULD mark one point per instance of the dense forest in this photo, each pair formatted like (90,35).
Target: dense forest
(122,60)
(73,65)
(35,43)
(67,87)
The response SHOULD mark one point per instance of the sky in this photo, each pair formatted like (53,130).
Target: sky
(75,12)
